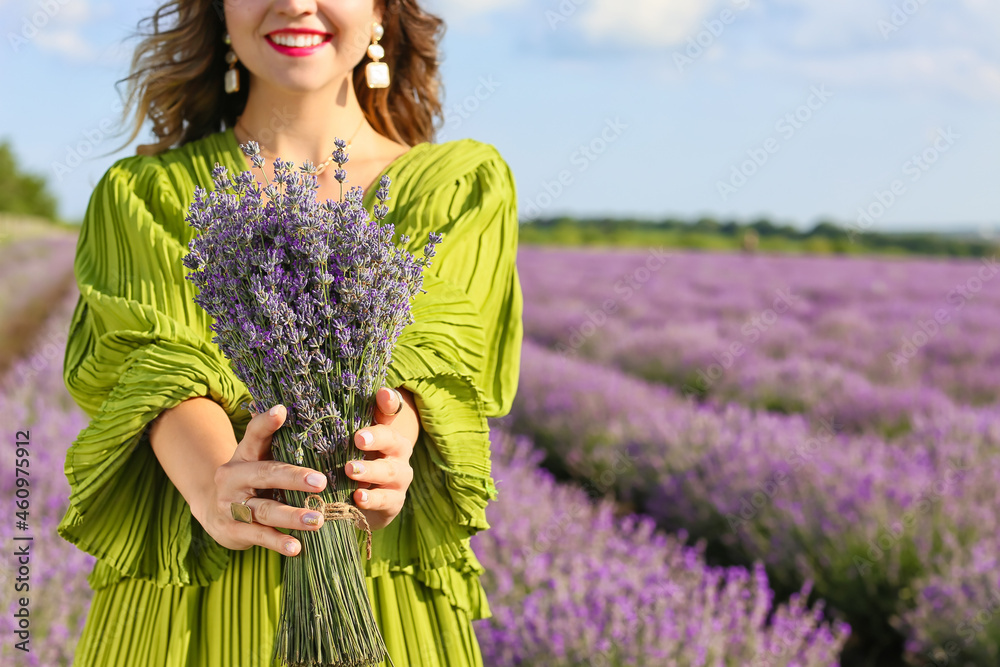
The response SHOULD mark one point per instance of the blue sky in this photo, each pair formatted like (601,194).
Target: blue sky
(796,110)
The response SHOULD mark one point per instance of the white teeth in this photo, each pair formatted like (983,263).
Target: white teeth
(298,41)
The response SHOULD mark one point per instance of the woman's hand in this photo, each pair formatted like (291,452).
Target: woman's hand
(252,468)
(388,445)
(382,484)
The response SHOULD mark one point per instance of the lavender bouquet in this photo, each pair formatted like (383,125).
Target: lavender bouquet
(308,301)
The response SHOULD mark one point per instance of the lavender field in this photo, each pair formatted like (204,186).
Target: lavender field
(744,460)
(874,341)
(834,418)
(33,399)
(571,582)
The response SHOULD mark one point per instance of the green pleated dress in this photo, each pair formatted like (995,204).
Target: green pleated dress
(167,594)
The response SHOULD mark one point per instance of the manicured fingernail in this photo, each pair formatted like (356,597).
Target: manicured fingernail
(367,438)
(274,411)
(311,519)
(316,479)
(291,547)
(357,467)
(364,496)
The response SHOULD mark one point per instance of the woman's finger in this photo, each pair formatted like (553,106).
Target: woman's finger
(388,472)
(279,515)
(388,405)
(388,401)
(256,443)
(380,438)
(380,500)
(269,538)
(271,474)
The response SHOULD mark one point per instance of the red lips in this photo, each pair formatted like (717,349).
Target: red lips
(297,50)
(297,31)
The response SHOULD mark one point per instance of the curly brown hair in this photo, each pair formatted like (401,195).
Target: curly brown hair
(172,83)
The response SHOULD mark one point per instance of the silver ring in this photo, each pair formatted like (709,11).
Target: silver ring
(400,397)
(241,511)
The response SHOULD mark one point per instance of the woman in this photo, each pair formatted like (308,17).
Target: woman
(170,447)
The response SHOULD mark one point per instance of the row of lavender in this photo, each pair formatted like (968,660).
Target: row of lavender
(569,582)
(36,408)
(872,341)
(898,530)
(876,524)
(30,285)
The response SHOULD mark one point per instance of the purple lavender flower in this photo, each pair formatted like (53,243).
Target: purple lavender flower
(308,300)
(571,582)
(852,440)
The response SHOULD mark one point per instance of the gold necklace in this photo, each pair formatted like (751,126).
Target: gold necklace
(322,166)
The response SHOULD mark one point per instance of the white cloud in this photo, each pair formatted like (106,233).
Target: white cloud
(60,27)
(67,42)
(66,11)
(75,13)
(645,23)
(987,9)
(824,24)
(950,70)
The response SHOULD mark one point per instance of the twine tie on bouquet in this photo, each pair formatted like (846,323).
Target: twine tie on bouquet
(339,511)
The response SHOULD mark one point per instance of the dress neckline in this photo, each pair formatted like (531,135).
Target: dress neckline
(237,154)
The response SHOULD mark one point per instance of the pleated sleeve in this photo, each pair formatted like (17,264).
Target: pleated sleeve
(460,358)
(137,345)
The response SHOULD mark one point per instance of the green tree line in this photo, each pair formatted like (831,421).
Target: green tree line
(23,193)
(760,235)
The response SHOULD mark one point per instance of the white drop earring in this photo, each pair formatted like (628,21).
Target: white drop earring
(232,79)
(376,72)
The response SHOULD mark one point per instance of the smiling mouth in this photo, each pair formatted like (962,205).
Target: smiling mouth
(298,41)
